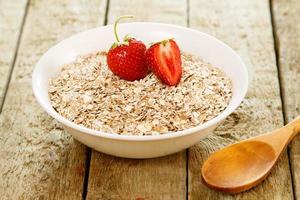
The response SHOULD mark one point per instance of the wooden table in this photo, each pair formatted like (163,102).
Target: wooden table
(39,160)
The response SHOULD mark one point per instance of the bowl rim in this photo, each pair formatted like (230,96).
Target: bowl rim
(168,135)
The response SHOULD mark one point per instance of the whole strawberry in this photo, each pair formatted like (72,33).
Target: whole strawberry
(164,59)
(127,59)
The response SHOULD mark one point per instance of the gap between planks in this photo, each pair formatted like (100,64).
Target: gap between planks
(281,87)
(187,150)
(14,56)
(86,172)
(89,150)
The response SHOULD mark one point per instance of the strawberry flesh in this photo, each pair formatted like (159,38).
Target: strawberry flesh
(165,61)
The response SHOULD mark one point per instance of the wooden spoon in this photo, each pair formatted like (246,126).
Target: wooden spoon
(243,165)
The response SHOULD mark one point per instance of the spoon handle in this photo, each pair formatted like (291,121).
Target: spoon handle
(281,137)
(295,126)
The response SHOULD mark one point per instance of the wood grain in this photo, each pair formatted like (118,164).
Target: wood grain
(168,11)
(120,178)
(245,26)
(38,159)
(287,31)
(11,18)
(162,178)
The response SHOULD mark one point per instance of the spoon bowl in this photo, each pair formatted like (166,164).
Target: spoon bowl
(236,171)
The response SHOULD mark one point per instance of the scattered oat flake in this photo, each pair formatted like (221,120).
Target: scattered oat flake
(87,93)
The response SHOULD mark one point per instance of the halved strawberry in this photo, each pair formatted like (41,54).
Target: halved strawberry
(164,60)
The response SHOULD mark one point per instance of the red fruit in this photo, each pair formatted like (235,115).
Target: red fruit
(126,59)
(164,60)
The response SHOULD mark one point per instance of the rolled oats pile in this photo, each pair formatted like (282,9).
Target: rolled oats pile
(89,94)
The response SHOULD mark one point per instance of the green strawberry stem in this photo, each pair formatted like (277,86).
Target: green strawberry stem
(116,23)
(164,42)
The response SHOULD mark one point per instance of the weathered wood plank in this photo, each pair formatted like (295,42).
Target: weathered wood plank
(162,178)
(155,11)
(246,26)
(120,178)
(11,18)
(287,29)
(38,159)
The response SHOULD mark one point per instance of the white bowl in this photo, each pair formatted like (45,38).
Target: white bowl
(191,41)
